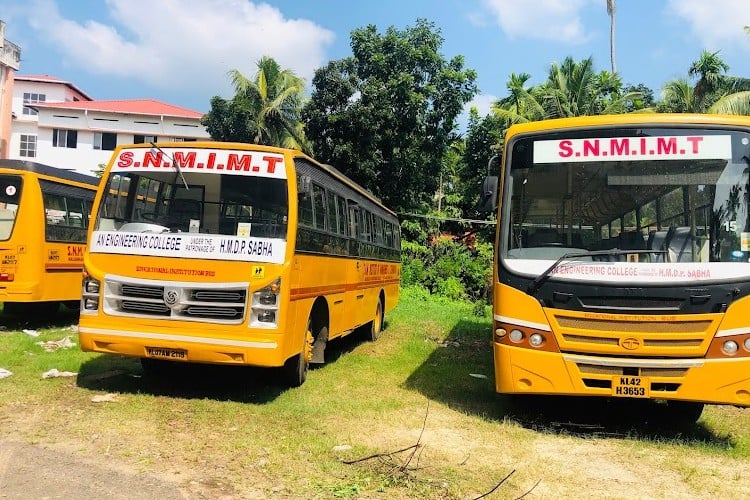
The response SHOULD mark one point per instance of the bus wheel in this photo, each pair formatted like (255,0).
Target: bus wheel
(373,329)
(295,368)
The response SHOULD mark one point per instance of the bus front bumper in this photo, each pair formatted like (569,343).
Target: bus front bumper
(526,371)
(258,351)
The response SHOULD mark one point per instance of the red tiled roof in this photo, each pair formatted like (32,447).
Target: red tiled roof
(50,79)
(128,106)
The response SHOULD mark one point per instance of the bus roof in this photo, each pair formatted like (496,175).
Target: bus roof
(627,119)
(40,168)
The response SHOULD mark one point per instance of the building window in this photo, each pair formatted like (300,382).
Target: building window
(184,139)
(144,139)
(28,146)
(31,98)
(106,141)
(64,138)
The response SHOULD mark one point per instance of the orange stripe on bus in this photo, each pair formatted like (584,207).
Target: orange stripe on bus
(63,267)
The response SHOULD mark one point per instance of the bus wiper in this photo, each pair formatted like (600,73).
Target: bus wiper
(176,166)
(534,285)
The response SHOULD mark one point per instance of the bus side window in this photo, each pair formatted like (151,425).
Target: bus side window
(319,206)
(353,220)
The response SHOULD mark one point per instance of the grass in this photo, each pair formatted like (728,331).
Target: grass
(419,389)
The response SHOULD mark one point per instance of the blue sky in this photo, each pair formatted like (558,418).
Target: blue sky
(179,51)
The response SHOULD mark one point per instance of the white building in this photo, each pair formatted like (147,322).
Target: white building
(57,124)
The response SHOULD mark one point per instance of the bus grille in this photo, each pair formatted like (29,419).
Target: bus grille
(207,302)
(634,336)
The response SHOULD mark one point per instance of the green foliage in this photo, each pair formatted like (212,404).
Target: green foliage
(449,269)
(386,115)
(265,109)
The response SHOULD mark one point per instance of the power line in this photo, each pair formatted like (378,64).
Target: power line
(455,219)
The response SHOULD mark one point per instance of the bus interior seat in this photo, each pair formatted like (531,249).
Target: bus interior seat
(680,245)
(545,236)
(659,241)
(632,240)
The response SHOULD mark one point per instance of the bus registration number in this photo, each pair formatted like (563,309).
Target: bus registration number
(166,353)
(630,387)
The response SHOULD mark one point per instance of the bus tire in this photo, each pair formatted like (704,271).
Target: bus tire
(374,327)
(295,368)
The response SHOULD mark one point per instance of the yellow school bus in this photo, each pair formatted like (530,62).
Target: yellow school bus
(224,253)
(622,265)
(44,216)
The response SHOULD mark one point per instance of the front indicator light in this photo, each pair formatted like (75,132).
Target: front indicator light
(730,347)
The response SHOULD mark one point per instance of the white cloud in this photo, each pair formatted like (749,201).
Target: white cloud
(557,20)
(482,102)
(185,44)
(715,22)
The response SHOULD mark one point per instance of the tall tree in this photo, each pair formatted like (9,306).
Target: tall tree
(386,115)
(265,109)
(611,13)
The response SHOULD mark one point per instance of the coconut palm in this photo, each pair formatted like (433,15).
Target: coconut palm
(522,104)
(574,89)
(274,98)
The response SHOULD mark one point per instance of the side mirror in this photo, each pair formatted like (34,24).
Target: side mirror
(488,197)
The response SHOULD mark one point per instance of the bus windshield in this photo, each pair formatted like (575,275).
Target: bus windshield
(10,195)
(221,204)
(648,197)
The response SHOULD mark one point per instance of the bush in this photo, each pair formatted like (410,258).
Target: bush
(448,268)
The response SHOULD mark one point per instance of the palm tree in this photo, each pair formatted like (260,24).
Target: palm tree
(708,68)
(574,89)
(521,105)
(274,99)
(611,13)
(714,92)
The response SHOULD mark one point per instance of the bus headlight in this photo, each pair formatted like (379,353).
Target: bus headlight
(90,295)
(91,285)
(536,339)
(730,347)
(516,335)
(747,344)
(264,305)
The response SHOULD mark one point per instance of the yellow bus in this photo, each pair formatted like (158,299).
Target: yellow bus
(44,216)
(225,253)
(622,265)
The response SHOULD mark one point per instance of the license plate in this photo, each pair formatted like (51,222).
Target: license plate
(166,353)
(630,387)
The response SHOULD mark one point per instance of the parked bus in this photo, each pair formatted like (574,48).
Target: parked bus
(240,254)
(622,264)
(44,216)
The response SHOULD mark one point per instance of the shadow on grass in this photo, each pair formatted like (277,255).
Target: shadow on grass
(120,374)
(37,319)
(245,384)
(460,374)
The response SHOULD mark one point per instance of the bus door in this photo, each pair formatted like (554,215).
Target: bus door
(356,292)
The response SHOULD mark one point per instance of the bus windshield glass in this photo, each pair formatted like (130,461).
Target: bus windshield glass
(10,196)
(639,204)
(215,214)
